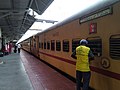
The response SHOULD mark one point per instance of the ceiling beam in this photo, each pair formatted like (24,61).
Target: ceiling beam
(47,21)
(35,29)
(31,1)
(15,10)
(7,14)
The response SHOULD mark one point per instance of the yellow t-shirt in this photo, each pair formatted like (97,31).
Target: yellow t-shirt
(82,63)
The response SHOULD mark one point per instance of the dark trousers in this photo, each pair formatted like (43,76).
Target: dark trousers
(18,50)
(86,79)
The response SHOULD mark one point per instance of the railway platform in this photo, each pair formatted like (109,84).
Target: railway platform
(22,71)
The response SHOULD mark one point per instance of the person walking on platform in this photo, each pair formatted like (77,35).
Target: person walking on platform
(15,48)
(83,54)
(19,47)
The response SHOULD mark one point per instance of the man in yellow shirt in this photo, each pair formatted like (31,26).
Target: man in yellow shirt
(83,55)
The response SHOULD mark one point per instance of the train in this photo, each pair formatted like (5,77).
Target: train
(100,25)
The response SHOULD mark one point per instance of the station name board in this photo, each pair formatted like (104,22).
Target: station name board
(97,14)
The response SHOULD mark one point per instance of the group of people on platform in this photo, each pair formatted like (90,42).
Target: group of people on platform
(8,48)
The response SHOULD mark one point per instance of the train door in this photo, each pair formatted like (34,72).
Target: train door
(32,44)
(37,46)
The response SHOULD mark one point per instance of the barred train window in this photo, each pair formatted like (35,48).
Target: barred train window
(65,45)
(39,45)
(44,45)
(75,43)
(48,45)
(115,47)
(95,43)
(52,45)
(58,45)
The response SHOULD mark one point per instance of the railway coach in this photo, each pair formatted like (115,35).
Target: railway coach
(100,25)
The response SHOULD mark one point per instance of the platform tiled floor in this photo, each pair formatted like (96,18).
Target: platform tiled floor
(42,76)
(12,74)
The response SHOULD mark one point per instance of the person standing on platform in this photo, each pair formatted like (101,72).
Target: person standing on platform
(6,49)
(15,48)
(83,54)
(10,47)
(19,47)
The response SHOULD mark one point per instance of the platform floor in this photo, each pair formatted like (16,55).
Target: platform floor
(25,72)
(13,75)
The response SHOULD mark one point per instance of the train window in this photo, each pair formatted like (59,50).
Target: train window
(52,45)
(31,43)
(58,45)
(39,45)
(75,43)
(95,43)
(44,45)
(65,45)
(48,45)
(34,45)
(115,47)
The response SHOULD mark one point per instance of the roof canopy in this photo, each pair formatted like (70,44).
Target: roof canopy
(14,17)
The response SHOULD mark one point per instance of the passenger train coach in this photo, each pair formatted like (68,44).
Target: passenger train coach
(100,25)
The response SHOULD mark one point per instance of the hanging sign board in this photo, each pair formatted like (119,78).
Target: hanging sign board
(97,14)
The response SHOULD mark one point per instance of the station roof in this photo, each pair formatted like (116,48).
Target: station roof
(14,16)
